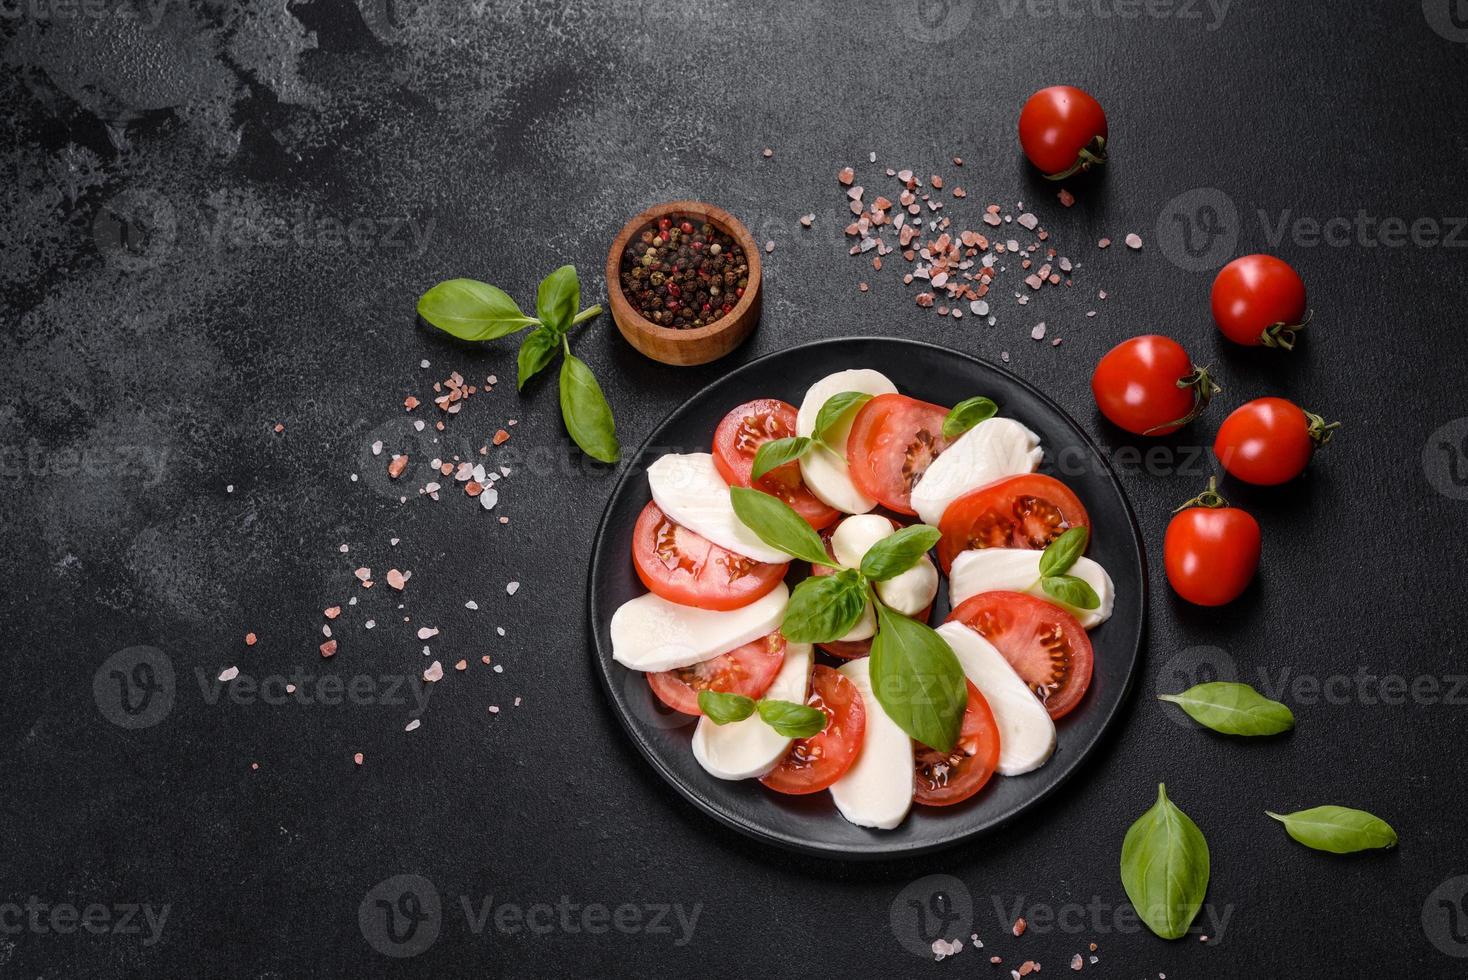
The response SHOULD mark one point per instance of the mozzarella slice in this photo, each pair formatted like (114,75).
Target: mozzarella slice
(877,790)
(825,472)
(749,748)
(910,592)
(688,488)
(1018,570)
(991,450)
(1026,733)
(650,633)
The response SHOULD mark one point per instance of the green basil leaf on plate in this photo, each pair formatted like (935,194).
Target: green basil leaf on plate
(776,453)
(721,707)
(967,414)
(835,410)
(1337,829)
(898,552)
(1062,553)
(558,299)
(917,680)
(824,608)
(1233,709)
(792,720)
(1164,868)
(472,310)
(585,410)
(772,520)
(1070,590)
(536,351)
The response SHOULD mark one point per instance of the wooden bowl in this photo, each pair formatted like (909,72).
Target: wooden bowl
(698,345)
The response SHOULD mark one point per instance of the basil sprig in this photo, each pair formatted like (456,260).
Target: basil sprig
(1337,829)
(1164,868)
(1233,709)
(778,526)
(917,680)
(898,552)
(1057,559)
(473,310)
(967,414)
(825,607)
(786,717)
(778,452)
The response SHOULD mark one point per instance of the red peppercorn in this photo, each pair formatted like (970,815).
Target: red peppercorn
(671,305)
(739,292)
(686,227)
(664,224)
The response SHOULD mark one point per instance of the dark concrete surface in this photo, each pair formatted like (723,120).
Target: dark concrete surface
(176,281)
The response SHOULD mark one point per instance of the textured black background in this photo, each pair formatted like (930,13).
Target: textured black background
(141,382)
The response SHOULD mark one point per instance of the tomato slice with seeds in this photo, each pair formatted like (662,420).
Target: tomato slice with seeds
(814,763)
(852,649)
(684,567)
(946,778)
(1042,642)
(893,441)
(750,671)
(738,438)
(1026,511)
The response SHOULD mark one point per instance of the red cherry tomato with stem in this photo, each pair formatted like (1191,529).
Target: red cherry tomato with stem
(1211,550)
(1269,441)
(1062,130)
(1260,300)
(1149,386)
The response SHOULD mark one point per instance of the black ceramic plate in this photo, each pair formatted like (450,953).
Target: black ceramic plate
(811,823)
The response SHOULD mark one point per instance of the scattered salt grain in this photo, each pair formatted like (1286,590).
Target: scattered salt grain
(228,674)
(434,672)
(251,639)
(427,632)
(494,709)
(412,726)
(1038,332)
(488,497)
(500,630)
(328,649)
(357,758)
(512,588)
(471,604)
(377,448)
(1134,241)
(369,624)
(1104,243)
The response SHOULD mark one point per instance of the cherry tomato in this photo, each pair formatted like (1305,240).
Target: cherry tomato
(1042,642)
(852,649)
(1027,511)
(749,670)
(687,568)
(1149,386)
(943,779)
(1259,299)
(1211,550)
(893,441)
(1270,440)
(1062,130)
(814,763)
(738,438)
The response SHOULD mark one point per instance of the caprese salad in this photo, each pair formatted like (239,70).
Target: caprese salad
(864,485)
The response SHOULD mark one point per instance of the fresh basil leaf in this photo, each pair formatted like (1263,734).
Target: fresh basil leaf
(917,680)
(558,299)
(1164,868)
(898,552)
(1062,553)
(1071,590)
(778,526)
(776,453)
(824,608)
(967,414)
(721,707)
(587,415)
(472,310)
(793,720)
(1233,709)
(536,351)
(1337,829)
(835,409)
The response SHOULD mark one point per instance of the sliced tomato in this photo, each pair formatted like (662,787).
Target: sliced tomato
(852,649)
(684,567)
(750,671)
(738,438)
(946,778)
(814,763)
(893,441)
(1026,511)
(1042,642)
